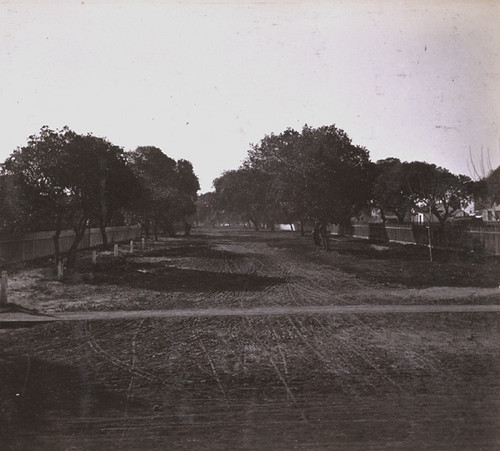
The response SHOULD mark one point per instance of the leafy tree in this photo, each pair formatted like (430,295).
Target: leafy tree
(187,187)
(44,169)
(66,179)
(335,178)
(437,189)
(391,193)
(16,215)
(242,191)
(487,192)
(206,207)
(316,175)
(276,157)
(168,189)
(155,172)
(108,183)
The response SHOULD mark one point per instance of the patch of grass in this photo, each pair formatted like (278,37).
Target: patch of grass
(398,264)
(410,266)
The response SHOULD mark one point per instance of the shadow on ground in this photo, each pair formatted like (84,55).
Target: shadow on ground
(36,396)
(194,251)
(159,277)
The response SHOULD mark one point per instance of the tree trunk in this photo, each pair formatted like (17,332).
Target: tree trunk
(345,227)
(255,224)
(325,243)
(155,229)
(382,215)
(302,231)
(316,234)
(55,239)
(146,226)
(187,228)
(57,251)
(401,217)
(79,234)
(104,235)
(169,228)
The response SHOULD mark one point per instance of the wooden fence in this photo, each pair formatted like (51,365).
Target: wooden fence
(476,238)
(40,244)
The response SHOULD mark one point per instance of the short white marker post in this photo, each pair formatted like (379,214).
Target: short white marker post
(3,288)
(94,257)
(60,271)
(115,252)
(131,247)
(143,243)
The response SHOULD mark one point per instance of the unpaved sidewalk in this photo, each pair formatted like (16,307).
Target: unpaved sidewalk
(13,317)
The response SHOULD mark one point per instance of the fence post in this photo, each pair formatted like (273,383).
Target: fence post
(60,271)
(3,289)
(131,247)
(115,251)
(143,243)
(94,257)
(430,241)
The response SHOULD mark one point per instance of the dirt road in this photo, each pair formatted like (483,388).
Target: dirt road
(301,353)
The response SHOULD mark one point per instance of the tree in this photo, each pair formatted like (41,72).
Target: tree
(437,190)
(316,175)
(155,172)
(43,169)
(16,215)
(168,189)
(242,191)
(66,179)
(187,187)
(336,178)
(487,192)
(109,183)
(391,193)
(206,208)
(276,158)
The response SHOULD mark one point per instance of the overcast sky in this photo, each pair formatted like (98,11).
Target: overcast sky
(203,80)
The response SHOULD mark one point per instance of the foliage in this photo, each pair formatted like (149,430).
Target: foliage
(168,189)
(242,191)
(437,190)
(206,207)
(336,175)
(15,213)
(65,179)
(487,192)
(316,175)
(391,192)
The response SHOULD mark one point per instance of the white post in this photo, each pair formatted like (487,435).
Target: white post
(131,247)
(60,271)
(430,241)
(143,243)
(94,257)
(116,250)
(3,289)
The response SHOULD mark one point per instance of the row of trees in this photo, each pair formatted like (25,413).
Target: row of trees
(319,176)
(61,179)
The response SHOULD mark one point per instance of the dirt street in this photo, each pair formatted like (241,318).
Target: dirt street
(365,347)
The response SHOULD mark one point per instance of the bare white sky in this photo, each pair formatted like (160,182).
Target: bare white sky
(202,80)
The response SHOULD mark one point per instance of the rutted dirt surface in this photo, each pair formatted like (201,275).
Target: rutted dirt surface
(297,380)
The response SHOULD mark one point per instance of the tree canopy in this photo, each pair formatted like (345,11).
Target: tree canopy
(168,189)
(62,179)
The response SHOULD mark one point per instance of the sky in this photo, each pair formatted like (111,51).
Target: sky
(203,80)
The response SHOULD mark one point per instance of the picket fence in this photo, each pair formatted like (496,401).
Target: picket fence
(29,246)
(470,238)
